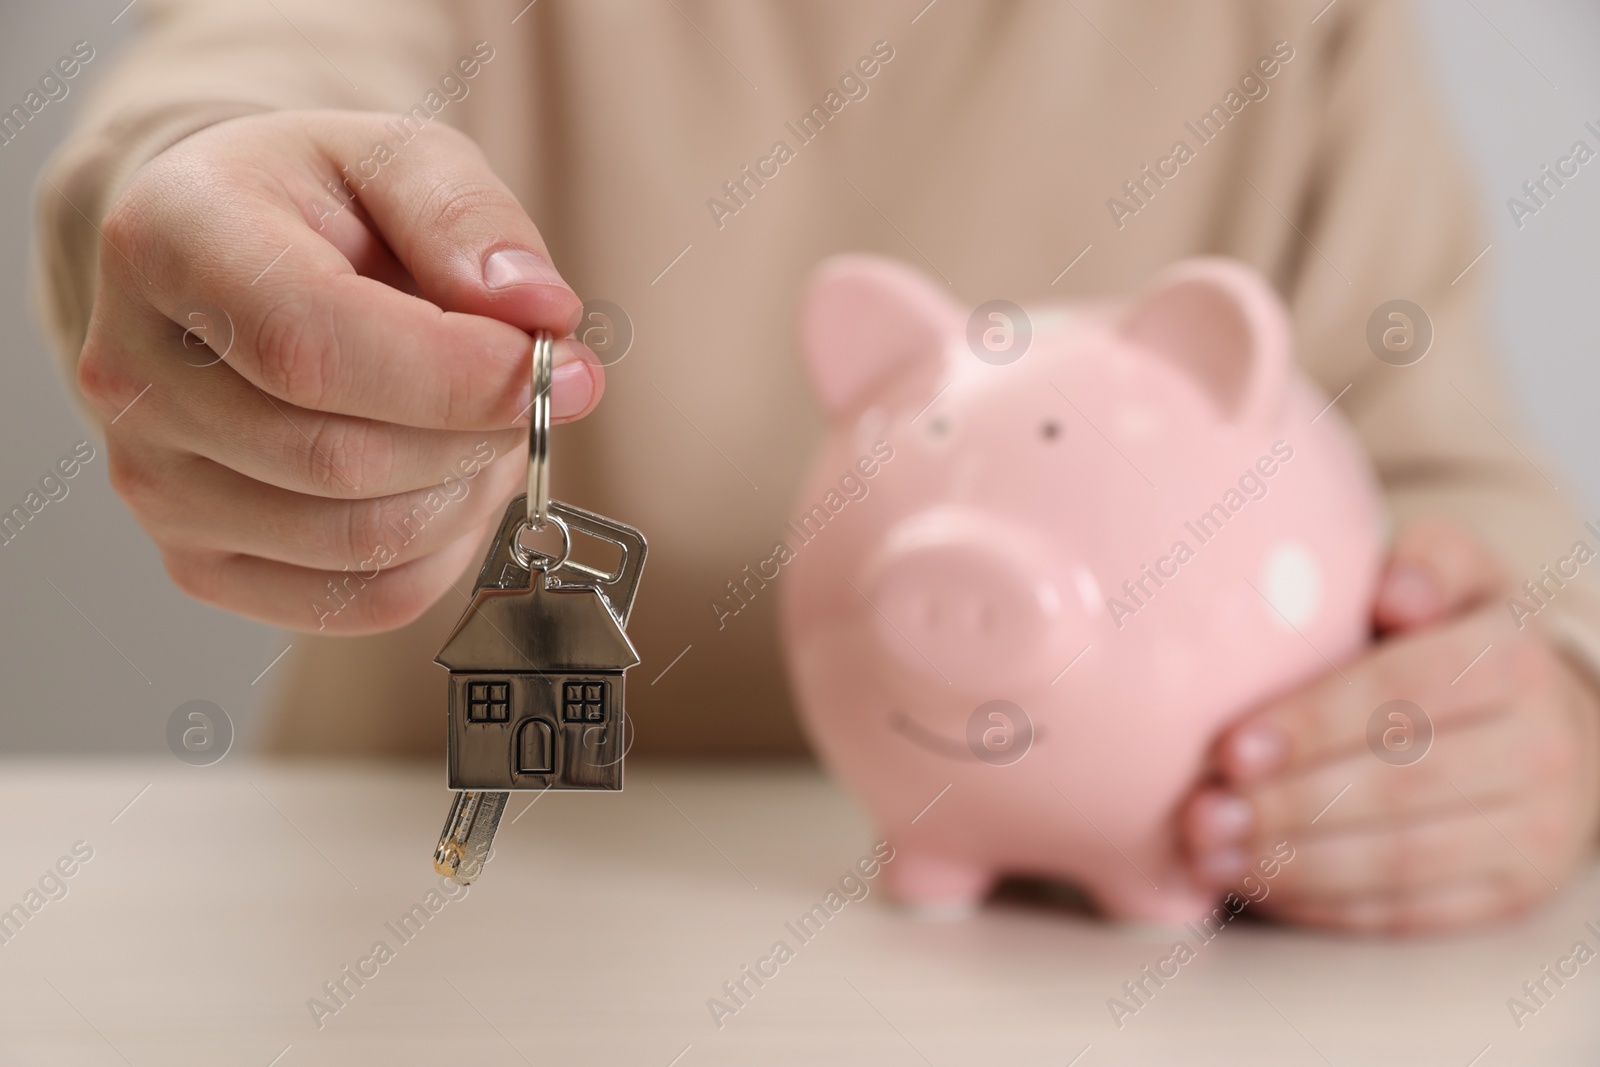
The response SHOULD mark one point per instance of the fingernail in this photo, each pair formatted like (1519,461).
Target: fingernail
(1409,590)
(516,266)
(571,389)
(1222,866)
(571,383)
(1225,817)
(1257,750)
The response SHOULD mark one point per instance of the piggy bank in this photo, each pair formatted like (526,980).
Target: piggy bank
(1028,587)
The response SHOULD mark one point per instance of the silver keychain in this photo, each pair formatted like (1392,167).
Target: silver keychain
(537,660)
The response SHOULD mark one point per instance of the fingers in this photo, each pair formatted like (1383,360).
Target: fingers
(326,339)
(309,330)
(335,602)
(195,403)
(369,358)
(1460,840)
(335,456)
(190,401)
(1399,875)
(1464,842)
(353,235)
(1435,570)
(1488,818)
(189,502)
(1329,717)
(1455,864)
(455,226)
(1362,791)
(1422,910)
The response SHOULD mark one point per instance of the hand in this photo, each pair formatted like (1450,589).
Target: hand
(1496,813)
(358,416)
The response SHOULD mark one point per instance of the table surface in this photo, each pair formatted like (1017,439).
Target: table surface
(218,901)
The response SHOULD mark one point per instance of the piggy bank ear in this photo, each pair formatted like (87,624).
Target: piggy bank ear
(1219,322)
(864,321)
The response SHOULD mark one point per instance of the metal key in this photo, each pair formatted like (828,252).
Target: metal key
(468,835)
(536,661)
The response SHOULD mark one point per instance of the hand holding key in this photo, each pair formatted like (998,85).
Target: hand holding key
(367,341)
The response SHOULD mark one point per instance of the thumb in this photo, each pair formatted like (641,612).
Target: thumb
(451,222)
(1435,570)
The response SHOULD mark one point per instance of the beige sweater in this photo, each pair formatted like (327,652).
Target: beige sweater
(987,148)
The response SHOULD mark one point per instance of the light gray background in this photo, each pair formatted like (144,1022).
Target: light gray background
(99,662)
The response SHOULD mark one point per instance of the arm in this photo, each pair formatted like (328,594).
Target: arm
(1503,802)
(321,445)
(1389,203)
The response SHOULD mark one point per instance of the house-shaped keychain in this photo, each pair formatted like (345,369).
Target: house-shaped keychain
(536,663)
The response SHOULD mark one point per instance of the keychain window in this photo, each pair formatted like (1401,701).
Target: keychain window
(584,701)
(488,702)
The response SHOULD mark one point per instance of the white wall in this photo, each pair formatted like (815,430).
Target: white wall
(1521,80)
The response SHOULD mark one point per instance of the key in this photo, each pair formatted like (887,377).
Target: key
(468,835)
(537,665)
(537,660)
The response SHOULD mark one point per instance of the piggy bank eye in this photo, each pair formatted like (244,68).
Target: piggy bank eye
(1050,430)
(938,427)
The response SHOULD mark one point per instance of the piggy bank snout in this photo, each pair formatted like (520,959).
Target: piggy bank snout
(974,602)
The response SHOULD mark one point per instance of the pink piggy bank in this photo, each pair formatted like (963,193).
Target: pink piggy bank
(1030,587)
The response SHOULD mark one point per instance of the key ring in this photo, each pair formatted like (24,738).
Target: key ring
(539,464)
(529,560)
(539,433)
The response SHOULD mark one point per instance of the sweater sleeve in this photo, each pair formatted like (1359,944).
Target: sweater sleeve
(1388,214)
(198,62)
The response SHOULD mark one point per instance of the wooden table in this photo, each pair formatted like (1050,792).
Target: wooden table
(218,901)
